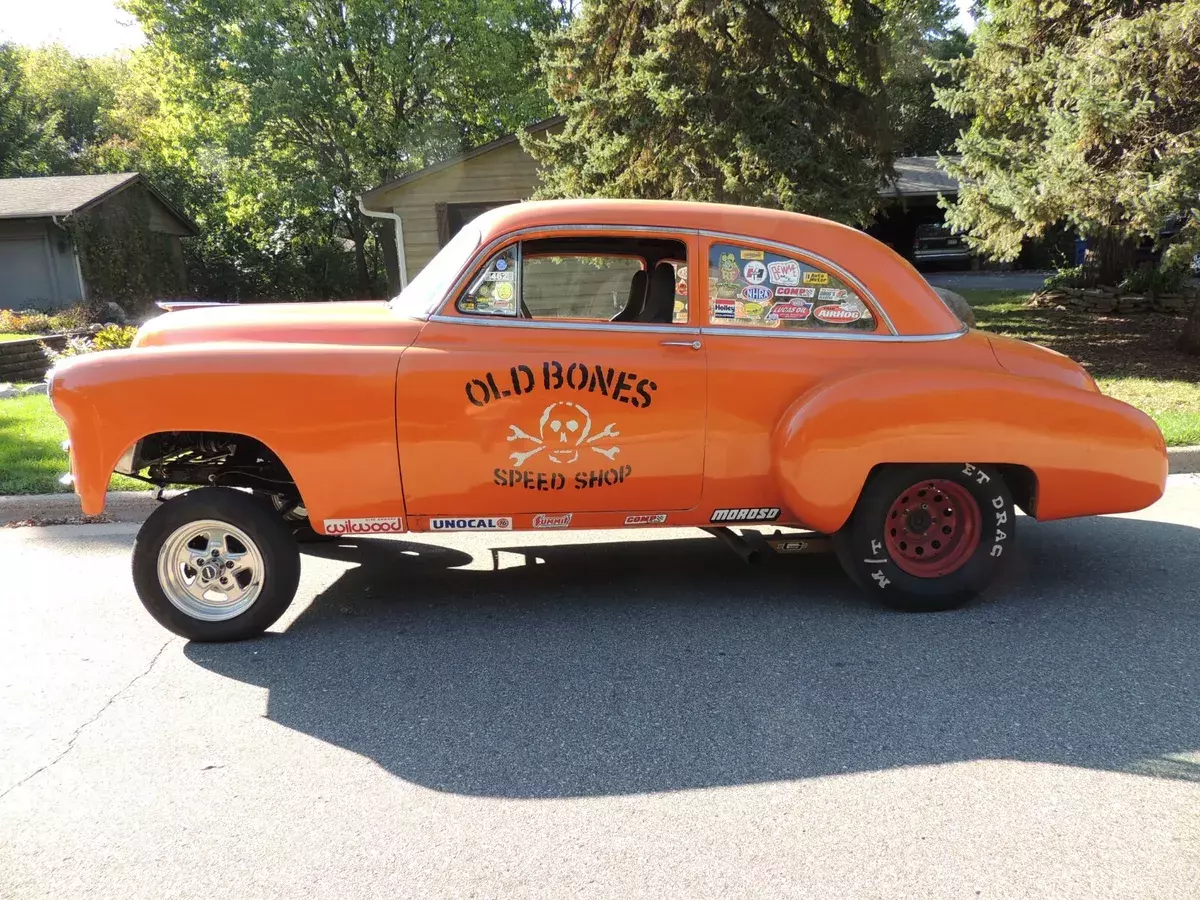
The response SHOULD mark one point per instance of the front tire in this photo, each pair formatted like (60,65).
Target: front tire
(927,538)
(215,564)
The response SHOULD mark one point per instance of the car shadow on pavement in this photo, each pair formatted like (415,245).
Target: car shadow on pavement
(621,668)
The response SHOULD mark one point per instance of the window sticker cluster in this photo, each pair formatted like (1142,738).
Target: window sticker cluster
(762,289)
(494,290)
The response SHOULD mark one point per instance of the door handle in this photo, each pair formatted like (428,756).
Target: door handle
(695,345)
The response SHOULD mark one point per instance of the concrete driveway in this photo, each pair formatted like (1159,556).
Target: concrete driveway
(532,715)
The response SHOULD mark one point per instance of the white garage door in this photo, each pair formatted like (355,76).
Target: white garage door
(24,274)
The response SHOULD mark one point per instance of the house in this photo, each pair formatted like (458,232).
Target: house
(42,263)
(429,206)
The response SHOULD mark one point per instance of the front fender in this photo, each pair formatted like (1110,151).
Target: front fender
(1090,454)
(327,412)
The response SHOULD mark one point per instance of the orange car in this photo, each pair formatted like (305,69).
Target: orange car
(600,364)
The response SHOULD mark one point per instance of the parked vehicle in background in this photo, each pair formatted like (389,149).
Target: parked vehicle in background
(762,368)
(936,242)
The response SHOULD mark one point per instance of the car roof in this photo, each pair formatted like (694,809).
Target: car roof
(908,300)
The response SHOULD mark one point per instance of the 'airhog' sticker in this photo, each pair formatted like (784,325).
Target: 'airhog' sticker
(837,315)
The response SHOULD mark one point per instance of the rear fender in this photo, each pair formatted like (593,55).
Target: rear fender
(1089,453)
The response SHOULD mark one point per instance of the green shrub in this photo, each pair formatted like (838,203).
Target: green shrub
(114,337)
(1070,277)
(76,346)
(12,322)
(1154,280)
(69,319)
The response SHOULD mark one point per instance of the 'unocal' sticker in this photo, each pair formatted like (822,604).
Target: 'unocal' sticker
(500,523)
(373,525)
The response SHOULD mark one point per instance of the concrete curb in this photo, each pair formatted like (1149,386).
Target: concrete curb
(1184,460)
(121,506)
(135,506)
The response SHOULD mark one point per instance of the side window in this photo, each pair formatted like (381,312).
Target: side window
(762,289)
(594,288)
(494,290)
(584,278)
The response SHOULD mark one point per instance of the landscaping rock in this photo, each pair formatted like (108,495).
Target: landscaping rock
(8,391)
(112,312)
(36,388)
(958,303)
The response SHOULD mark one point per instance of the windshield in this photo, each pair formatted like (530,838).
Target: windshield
(426,291)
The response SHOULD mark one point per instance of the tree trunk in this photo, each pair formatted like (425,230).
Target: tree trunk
(1109,258)
(359,235)
(1189,341)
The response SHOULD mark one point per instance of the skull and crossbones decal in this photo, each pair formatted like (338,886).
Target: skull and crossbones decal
(564,429)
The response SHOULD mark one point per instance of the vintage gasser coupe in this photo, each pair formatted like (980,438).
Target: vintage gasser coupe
(600,364)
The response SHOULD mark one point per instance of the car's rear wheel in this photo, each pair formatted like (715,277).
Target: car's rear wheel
(215,564)
(925,538)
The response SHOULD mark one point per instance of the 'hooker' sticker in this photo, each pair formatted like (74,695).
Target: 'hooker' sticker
(376,525)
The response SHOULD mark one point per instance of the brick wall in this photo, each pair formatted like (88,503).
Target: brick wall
(24,360)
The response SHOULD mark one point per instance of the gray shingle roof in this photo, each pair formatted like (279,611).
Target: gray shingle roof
(919,176)
(56,195)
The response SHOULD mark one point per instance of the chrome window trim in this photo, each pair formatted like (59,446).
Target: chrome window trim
(734,330)
(484,252)
(563,325)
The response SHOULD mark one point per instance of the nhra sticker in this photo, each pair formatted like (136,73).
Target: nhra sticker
(755,272)
(723,310)
(786,291)
(502,523)
(792,311)
(656,519)
(376,525)
(544,520)
(753,514)
(837,315)
(816,278)
(756,292)
(784,271)
(752,254)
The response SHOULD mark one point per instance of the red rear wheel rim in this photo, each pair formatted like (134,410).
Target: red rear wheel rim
(932,528)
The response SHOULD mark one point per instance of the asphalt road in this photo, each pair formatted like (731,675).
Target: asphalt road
(642,717)
(1002,281)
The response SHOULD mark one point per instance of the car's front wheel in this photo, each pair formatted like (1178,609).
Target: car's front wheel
(215,564)
(925,538)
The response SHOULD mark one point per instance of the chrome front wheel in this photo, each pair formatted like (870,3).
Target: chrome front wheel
(210,570)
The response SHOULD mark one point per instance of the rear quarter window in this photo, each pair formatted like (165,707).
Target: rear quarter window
(763,289)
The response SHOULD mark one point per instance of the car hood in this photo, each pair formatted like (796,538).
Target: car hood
(360,323)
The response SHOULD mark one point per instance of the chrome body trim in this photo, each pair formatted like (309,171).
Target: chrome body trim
(717,330)
(558,325)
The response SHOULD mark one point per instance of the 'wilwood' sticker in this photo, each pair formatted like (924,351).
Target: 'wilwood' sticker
(375,525)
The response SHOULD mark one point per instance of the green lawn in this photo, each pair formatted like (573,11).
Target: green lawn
(9,336)
(1131,357)
(31,455)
